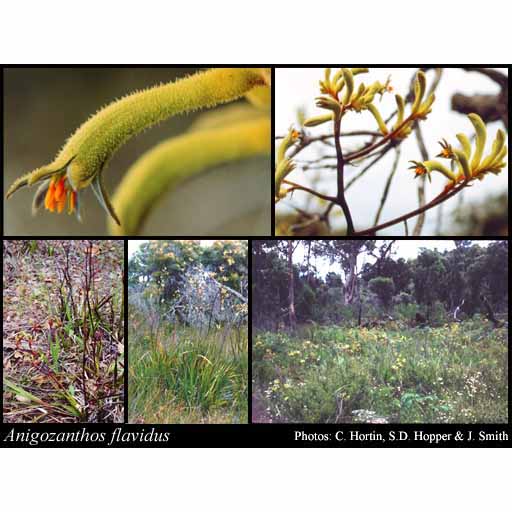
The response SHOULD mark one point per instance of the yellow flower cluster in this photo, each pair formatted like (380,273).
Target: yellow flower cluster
(284,165)
(399,363)
(469,163)
(362,98)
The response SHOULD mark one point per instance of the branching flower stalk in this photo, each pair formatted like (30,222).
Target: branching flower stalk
(441,198)
(340,196)
(340,95)
(85,155)
(493,163)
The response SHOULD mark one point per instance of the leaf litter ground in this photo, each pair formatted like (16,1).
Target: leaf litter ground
(63,355)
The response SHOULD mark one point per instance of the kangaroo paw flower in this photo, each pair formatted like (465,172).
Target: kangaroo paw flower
(427,167)
(284,165)
(87,152)
(56,192)
(468,168)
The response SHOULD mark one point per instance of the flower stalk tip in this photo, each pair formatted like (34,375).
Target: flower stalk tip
(467,171)
(86,153)
(446,150)
(284,165)
(420,85)
(57,192)
(348,77)
(481,137)
(317,120)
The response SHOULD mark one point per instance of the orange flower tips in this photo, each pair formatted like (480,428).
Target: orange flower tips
(446,150)
(58,193)
(418,168)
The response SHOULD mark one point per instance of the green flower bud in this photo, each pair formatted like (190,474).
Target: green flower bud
(497,147)
(329,103)
(463,161)
(465,144)
(318,120)
(349,81)
(420,85)
(400,106)
(358,71)
(376,114)
(481,137)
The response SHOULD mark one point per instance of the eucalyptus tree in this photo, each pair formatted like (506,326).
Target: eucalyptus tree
(429,273)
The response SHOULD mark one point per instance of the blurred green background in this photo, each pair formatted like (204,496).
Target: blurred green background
(44,106)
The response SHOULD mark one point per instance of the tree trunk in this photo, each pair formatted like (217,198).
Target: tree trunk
(291,297)
(351,273)
(308,268)
(490,312)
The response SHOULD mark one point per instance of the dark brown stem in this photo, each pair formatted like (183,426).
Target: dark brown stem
(325,215)
(296,186)
(354,133)
(340,197)
(379,156)
(437,200)
(368,149)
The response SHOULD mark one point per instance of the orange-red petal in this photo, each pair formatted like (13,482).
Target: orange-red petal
(61,203)
(60,190)
(49,200)
(57,195)
(49,194)
(72,202)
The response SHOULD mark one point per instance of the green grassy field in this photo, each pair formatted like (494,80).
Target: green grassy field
(184,376)
(457,373)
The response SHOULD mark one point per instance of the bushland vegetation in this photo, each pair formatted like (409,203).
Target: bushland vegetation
(347,331)
(188,347)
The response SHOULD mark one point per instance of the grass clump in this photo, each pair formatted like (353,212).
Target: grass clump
(180,375)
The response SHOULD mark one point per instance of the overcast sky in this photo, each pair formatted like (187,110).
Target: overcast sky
(407,249)
(298,87)
(133,245)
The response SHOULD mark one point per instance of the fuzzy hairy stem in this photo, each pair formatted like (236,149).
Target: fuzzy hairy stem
(88,150)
